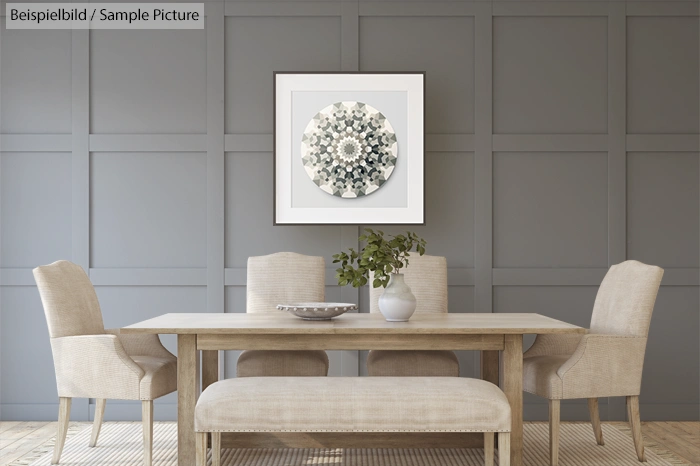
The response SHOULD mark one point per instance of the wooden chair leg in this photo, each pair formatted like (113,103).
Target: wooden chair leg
(201,449)
(216,449)
(595,420)
(636,424)
(488,448)
(97,423)
(63,420)
(554,416)
(147,420)
(504,449)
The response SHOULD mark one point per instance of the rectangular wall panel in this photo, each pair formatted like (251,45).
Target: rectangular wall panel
(24,348)
(148,209)
(549,75)
(662,75)
(148,81)
(550,209)
(443,47)
(35,196)
(35,81)
(663,208)
(258,46)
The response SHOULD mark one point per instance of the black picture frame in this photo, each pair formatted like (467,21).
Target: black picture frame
(274,142)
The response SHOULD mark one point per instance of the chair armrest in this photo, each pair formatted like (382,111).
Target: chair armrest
(603,366)
(554,345)
(141,345)
(95,366)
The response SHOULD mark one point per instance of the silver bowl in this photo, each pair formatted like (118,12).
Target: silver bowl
(317,311)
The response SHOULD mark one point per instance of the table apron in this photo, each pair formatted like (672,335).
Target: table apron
(360,341)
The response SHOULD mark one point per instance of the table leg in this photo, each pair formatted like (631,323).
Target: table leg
(513,388)
(187,390)
(489,366)
(210,368)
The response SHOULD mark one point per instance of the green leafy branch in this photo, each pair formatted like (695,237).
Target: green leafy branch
(382,254)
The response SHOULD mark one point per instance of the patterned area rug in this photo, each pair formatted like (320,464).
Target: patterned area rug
(120,444)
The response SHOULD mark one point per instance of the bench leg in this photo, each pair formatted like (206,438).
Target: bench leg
(504,449)
(216,449)
(488,448)
(201,448)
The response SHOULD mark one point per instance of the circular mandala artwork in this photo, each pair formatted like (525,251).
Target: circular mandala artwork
(349,149)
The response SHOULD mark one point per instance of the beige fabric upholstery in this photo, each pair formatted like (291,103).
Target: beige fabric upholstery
(141,345)
(91,362)
(427,277)
(412,363)
(352,404)
(609,360)
(160,377)
(554,345)
(283,277)
(69,299)
(95,366)
(625,300)
(282,363)
(540,376)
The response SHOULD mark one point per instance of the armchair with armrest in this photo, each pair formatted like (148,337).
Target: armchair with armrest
(91,362)
(607,361)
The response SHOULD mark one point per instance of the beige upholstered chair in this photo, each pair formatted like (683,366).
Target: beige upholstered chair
(427,277)
(605,362)
(92,362)
(284,277)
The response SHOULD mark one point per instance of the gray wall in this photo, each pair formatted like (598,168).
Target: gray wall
(562,138)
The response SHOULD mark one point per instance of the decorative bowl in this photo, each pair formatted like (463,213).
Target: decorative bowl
(317,311)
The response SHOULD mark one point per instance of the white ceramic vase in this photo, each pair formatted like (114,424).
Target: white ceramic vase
(397,303)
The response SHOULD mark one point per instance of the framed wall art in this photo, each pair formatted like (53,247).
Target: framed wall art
(349,148)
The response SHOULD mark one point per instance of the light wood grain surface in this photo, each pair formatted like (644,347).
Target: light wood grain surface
(352,323)
(211,332)
(187,393)
(513,388)
(357,341)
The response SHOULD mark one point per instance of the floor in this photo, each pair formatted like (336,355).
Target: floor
(681,438)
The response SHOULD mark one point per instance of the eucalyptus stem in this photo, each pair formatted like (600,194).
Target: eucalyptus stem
(382,255)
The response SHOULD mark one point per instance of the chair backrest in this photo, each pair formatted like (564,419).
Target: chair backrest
(625,299)
(427,277)
(69,299)
(283,278)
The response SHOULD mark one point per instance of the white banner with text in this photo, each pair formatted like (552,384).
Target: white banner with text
(105,16)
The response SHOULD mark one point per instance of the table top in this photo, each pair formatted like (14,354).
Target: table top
(278,322)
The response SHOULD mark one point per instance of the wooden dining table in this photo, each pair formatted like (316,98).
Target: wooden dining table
(498,336)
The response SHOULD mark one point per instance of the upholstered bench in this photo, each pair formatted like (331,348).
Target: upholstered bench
(353,404)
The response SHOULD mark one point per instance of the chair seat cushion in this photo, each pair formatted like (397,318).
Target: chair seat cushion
(264,363)
(352,404)
(540,376)
(412,363)
(160,376)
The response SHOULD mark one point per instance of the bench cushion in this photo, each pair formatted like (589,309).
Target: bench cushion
(352,404)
